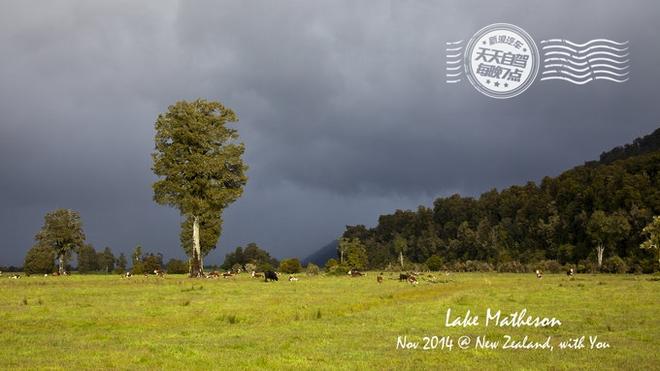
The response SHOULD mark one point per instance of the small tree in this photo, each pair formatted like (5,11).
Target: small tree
(312,269)
(606,231)
(106,260)
(122,263)
(39,259)
(356,254)
(652,230)
(330,264)
(87,261)
(290,265)
(136,260)
(62,232)
(400,246)
(151,262)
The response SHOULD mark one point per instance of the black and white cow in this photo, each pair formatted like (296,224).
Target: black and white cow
(270,275)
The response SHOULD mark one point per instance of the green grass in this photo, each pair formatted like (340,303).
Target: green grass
(104,322)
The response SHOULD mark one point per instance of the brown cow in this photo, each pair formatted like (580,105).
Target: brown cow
(379,279)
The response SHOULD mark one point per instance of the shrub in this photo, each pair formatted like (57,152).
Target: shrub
(312,269)
(176,266)
(434,263)
(331,263)
(550,266)
(586,266)
(138,268)
(615,264)
(512,266)
(290,266)
(250,267)
(262,267)
(236,268)
(338,270)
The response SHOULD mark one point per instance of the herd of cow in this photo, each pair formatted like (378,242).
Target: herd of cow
(410,277)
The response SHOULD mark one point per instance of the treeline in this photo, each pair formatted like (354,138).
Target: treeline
(41,259)
(590,217)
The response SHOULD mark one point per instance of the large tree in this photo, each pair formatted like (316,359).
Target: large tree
(198,160)
(62,231)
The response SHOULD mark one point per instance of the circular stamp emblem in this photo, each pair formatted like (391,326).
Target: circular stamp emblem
(501,60)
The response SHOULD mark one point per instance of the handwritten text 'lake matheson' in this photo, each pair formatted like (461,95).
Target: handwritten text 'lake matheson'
(497,319)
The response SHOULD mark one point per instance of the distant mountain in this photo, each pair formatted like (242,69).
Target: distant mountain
(321,256)
(639,146)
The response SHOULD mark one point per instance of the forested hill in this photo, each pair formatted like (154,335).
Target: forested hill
(646,144)
(558,222)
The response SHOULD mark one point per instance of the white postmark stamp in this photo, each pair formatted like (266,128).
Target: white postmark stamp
(501,60)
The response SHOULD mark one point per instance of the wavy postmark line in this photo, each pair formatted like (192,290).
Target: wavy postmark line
(589,67)
(453,59)
(602,41)
(597,59)
(588,74)
(582,82)
(587,56)
(582,51)
(587,63)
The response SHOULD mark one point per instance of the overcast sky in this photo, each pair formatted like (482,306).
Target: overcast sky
(343,108)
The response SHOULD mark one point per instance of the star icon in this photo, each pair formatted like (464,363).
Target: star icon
(506,85)
(484,42)
(497,84)
(524,49)
(487,81)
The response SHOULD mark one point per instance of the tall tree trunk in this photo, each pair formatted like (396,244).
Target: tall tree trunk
(197,268)
(341,256)
(599,250)
(401,258)
(61,259)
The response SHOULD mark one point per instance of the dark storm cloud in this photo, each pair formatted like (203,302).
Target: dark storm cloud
(343,109)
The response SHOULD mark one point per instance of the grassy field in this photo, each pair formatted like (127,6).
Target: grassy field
(104,322)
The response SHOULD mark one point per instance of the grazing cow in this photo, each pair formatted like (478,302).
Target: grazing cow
(539,274)
(292,278)
(379,279)
(270,275)
(128,274)
(0,273)
(45,274)
(159,272)
(256,275)
(355,273)
(213,274)
(403,277)
(65,273)
(570,272)
(412,280)
(15,277)
(227,275)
